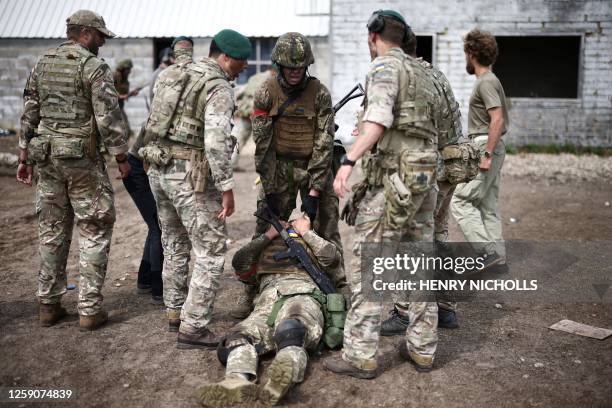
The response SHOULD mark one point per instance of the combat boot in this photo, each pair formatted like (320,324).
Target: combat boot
(421,364)
(174,319)
(339,366)
(447,319)
(204,339)
(244,303)
(280,378)
(94,321)
(395,325)
(230,391)
(49,314)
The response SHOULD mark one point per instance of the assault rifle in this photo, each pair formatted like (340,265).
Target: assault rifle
(349,96)
(295,250)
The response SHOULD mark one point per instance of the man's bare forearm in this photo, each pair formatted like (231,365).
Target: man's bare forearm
(372,133)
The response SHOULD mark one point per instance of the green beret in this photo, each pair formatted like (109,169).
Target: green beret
(181,38)
(393,14)
(234,44)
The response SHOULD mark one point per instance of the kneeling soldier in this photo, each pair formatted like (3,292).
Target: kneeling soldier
(291,315)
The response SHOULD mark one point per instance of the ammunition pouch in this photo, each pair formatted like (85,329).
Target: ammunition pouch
(67,148)
(38,149)
(461,163)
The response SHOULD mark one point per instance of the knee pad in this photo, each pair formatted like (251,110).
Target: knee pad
(230,342)
(290,332)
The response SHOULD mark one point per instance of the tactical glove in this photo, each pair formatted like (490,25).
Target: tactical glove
(273,203)
(310,205)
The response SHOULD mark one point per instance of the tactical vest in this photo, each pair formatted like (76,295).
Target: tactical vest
(65,104)
(177,111)
(449,125)
(294,131)
(267,264)
(415,112)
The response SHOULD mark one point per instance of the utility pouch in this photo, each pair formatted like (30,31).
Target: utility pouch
(417,169)
(38,149)
(199,170)
(399,208)
(155,154)
(62,148)
(460,163)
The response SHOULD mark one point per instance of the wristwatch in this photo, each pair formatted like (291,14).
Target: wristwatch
(487,154)
(344,161)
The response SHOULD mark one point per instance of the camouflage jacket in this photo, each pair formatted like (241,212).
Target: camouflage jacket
(244,97)
(97,81)
(326,253)
(122,85)
(320,162)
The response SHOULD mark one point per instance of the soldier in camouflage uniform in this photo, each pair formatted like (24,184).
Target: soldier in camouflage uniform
(450,133)
(188,145)
(122,85)
(244,109)
(293,129)
(70,109)
(400,111)
(288,318)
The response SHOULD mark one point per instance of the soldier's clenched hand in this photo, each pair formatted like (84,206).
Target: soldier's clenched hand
(341,181)
(24,174)
(227,202)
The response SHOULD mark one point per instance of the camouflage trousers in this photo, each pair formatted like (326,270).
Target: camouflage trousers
(188,220)
(242,131)
(292,179)
(440,217)
(363,321)
(244,358)
(69,189)
(474,204)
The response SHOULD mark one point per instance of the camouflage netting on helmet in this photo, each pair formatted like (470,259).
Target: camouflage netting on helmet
(292,50)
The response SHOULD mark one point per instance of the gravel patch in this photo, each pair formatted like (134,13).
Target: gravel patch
(559,167)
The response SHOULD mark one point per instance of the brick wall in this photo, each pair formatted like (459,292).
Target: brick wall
(584,121)
(18,56)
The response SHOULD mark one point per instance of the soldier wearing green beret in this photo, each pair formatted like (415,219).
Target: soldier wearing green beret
(70,110)
(188,145)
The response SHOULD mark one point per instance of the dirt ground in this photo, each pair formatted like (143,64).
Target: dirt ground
(498,357)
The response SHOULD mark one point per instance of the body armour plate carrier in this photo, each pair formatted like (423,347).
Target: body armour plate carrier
(294,131)
(65,104)
(267,263)
(177,111)
(416,112)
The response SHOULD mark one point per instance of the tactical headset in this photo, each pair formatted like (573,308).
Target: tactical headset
(376,23)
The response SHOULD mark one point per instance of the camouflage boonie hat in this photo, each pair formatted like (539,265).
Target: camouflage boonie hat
(88,18)
(292,50)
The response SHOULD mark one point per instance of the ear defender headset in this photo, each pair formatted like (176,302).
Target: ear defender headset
(376,23)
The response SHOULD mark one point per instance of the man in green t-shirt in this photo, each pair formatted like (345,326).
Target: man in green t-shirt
(474,204)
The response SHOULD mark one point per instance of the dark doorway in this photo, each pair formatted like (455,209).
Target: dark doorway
(425,47)
(539,66)
(158,45)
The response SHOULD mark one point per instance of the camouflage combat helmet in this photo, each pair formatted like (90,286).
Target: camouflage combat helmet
(292,50)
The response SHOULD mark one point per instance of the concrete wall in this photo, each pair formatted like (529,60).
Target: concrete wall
(18,56)
(584,121)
